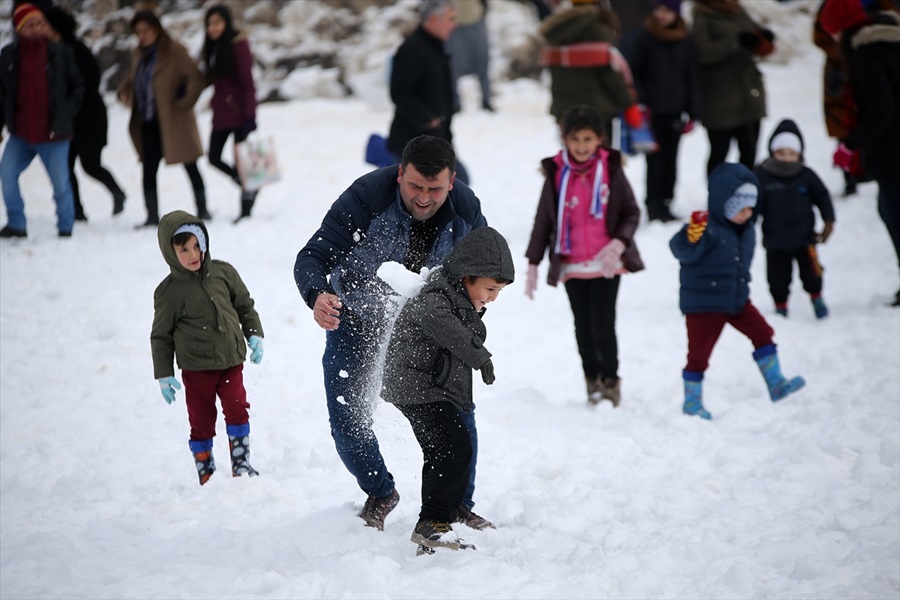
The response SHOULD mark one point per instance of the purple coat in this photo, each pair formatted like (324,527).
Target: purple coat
(234,99)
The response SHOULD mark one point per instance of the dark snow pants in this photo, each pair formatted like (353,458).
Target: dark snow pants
(780,267)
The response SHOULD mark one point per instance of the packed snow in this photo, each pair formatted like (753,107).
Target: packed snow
(98,492)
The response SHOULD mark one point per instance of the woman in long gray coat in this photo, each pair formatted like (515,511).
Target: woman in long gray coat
(438,340)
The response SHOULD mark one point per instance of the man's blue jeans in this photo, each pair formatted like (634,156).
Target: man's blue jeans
(16,158)
(351,353)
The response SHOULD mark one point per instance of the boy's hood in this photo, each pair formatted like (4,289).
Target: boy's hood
(482,253)
(723,182)
(168,225)
(787,125)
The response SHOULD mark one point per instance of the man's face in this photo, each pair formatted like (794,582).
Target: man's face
(423,196)
(441,24)
(34,28)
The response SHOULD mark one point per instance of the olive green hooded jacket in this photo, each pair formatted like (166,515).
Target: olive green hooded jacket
(201,318)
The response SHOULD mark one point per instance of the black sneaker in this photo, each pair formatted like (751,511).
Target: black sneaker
(377,508)
(65,234)
(435,534)
(9,232)
(469,518)
(148,223)
(118,203)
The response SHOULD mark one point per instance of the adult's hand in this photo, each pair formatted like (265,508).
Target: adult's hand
(327,311)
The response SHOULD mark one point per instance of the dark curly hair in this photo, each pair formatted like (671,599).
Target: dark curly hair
(218,55)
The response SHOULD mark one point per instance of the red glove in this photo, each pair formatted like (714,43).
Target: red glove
(843,157)
(697,226)
(688,127)
(634,116)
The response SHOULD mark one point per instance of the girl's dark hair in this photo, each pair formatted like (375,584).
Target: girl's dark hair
(582,117)
(149,17)
(218,55)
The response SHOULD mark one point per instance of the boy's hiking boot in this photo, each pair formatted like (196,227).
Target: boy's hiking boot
(435,534)
(377,508)
(206,465)
(240,456)
(469,518)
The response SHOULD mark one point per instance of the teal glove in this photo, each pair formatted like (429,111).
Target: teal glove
(256,344)
(168,385)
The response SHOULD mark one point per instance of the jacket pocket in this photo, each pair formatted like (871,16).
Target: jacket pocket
(442,368)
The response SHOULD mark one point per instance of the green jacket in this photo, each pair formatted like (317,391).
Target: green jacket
(730,84)
(601,88)
(201,318)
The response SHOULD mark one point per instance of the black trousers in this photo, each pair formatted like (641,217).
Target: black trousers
(90,162)
(153,154)
(446,452)
(662,165)
(747,137)
(593,304)
(780,266)
(217,141)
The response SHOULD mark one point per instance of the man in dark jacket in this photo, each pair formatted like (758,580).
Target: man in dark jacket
(421,81)
(413,215)
(40,92)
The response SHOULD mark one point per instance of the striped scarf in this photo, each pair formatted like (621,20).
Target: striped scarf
(599,197)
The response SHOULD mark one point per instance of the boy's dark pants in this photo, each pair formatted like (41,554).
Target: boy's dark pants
(447,453)
(779,270)
(200,390)
(704,329)
(593,304)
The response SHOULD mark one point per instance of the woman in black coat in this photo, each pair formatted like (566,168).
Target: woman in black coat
(90,122)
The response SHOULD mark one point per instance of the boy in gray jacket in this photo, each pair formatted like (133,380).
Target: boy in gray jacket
(438,339)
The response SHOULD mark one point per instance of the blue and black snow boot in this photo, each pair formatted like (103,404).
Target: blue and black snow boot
(779,386)
(239,446)
(693,395)
(203,458)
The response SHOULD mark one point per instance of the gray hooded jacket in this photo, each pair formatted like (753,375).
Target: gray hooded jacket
(439,336)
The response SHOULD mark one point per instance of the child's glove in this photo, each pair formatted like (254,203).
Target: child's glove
(695,229)
(610,257)
(256,344)
(248,125)
(821,238)
(487,372)
(748,39)
(531,281)
(634,116)
(167,386)
(843,158)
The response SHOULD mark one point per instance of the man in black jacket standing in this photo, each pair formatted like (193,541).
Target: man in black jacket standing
(40,92)
(421,81)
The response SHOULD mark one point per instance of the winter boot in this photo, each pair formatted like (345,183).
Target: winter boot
(595,394)
(118,202)
(151,200)
(781,308)
(376,509)
(247,201)
(819,307)
(200,198)
(611,389)
(435,534)
(693,395)
(203,458)
(469,518)
(239,445)
(779,386)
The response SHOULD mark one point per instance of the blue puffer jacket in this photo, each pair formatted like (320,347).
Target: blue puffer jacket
(366,227)
(715,271)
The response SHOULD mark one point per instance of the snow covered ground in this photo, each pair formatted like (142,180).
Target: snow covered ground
(98,494)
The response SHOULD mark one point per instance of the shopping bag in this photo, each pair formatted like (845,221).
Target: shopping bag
(637,139)
(256,162)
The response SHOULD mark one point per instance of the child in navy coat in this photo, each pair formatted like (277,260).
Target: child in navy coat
(789,191)
(715,250)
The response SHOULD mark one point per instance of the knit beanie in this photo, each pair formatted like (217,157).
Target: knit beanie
(673,5)
(838,15)
(196,230)
(22,13)
(743,197)
(788,140)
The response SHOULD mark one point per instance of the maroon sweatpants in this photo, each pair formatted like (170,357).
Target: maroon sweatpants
(704,329)
(200,391)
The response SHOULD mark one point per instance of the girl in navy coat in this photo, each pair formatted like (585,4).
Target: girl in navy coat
(789,191)
(715,250)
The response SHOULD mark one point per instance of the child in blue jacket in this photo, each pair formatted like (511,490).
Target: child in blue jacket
(715,251)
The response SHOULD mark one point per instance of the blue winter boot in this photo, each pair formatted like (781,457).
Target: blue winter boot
(693,395)
(819,307)
(779,386)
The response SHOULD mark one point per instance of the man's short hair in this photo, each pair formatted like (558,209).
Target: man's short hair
(427,8)
(429,155)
